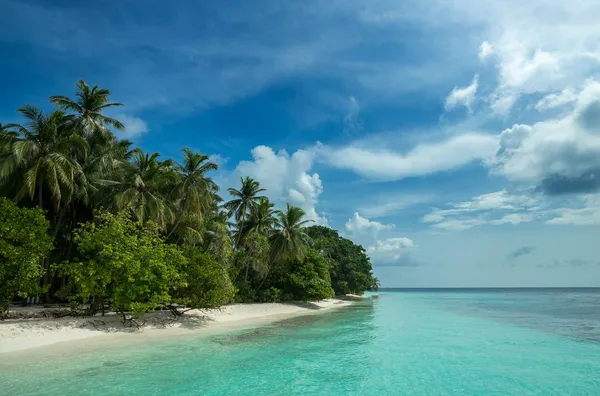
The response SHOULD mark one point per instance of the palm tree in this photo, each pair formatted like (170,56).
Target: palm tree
(244,203)
(289,241)
(41,155)
(261,221)
(143,188)
(88,107)
(195,190)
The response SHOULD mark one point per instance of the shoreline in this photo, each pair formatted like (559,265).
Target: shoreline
(23,335)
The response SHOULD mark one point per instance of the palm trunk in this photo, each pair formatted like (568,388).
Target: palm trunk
(71,241)
(265,277)
(43,260)
(41,201)
(47,279)
(237,244)
(178,221)
(248,263)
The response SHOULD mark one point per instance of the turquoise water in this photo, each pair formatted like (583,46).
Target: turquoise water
(402,343)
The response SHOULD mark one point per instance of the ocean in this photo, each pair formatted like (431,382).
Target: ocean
(404,342)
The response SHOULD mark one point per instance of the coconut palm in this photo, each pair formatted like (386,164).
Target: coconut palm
(88,108)
(261,220)
(40,156)
(245,201)
(143,188)
(289,241)
(195,189)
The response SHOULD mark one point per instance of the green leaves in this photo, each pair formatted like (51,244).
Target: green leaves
(125,264)
(24,241)
(350,267)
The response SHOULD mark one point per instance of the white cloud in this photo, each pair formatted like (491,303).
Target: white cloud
(501,102)
(553,100)
(422,160)
(358,224)
(484,209)
(134,126)
(286,178)
(586,213)
(559,155)
(392,252)
(352,123)
(395,203)
(514,219)
(485,50)
(463,96)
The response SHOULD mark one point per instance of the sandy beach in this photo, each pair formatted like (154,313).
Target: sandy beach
(24,334)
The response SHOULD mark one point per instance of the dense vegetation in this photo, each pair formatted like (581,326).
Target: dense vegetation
(88,219)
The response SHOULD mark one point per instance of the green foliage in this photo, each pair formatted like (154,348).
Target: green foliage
(206,285)
(351,270)
(69,162)
(289,241)
(309,279)
(24,241)
(124,264)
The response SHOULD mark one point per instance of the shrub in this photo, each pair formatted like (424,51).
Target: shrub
(24,241)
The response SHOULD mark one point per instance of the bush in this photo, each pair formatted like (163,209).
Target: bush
(207,284)
(24,241)
(309,279)
(124,264)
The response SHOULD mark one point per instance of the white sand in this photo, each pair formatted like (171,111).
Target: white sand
(17,335)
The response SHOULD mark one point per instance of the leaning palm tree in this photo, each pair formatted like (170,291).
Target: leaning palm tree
(39,156)
(143,188)
(195,190)
(88,108)
(289,241)
(244,203)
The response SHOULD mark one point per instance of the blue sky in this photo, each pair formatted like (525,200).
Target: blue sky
(459,142)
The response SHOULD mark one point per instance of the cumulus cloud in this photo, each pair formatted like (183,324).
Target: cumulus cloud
(393,252)
(358,224)
(522,251)
(463,96)
(484,209)
(559,155)
(423,159)
(134,126)
(383,251)
(286,178)
(485,51)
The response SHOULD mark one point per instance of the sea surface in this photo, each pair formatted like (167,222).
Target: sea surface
(404,342)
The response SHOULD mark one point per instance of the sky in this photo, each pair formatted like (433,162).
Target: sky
(457,141)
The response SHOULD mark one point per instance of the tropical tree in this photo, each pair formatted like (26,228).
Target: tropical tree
(289,241)
(262,219)
(40,156)
(24,241)
(88,107)
(244,203)
(143,188)
(195,190)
